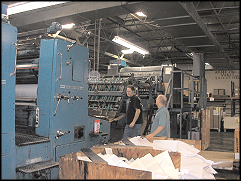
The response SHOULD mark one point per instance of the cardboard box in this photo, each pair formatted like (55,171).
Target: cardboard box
(215,91)
(221,91)
(211,116)
(165,86)
(217,117)
(195,135)
(231,122)
(236,145)
(70,167)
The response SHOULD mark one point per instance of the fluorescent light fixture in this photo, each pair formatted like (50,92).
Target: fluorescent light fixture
(129,45)
(27,6)
(68,26)
(128,51)
(207,64)
(141,14)
(166,65)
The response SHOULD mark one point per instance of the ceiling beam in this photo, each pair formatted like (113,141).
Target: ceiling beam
(101,9)
(190,8)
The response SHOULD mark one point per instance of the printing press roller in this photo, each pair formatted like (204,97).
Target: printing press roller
(26,91)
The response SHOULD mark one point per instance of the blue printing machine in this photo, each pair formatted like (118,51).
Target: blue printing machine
(62,123)
(8,160)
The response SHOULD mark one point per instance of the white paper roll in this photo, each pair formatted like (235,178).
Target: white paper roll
(26,90)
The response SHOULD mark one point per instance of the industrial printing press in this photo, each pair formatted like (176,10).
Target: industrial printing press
(44,104)
(50,103)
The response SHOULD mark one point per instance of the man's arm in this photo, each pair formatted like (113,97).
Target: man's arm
(138,111)
(158,130)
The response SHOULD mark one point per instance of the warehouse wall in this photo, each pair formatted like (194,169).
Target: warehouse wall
(216,79)
(221,79)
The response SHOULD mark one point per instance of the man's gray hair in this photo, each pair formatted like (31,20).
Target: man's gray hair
(162,99)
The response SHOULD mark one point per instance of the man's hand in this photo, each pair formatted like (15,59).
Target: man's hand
(132,124)
(149,137)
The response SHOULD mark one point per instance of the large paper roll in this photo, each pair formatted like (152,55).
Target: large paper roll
(26,91)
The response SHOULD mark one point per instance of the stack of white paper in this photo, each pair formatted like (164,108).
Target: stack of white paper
(116,161)
(161,165)
(176,146)
(193,166)
(164,160)
(113,160)
(138,141)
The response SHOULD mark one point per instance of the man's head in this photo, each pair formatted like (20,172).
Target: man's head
(161,101)
(130,90)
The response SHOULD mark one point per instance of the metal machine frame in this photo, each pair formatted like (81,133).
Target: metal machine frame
(8,160)
(179,105)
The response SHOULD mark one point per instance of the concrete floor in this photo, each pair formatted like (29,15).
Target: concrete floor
(219,141)
(224,142)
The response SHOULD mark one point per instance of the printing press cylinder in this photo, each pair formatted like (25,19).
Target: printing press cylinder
(27,64)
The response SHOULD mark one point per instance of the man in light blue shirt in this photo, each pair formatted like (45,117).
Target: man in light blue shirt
(161,123)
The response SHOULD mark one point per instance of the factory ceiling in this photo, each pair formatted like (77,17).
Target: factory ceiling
(171,30)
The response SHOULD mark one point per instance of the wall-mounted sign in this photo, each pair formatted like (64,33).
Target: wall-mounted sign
(226,74)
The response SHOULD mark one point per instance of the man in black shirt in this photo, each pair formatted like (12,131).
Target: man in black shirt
(133,114)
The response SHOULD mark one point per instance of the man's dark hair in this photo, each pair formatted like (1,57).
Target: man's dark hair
(131,86)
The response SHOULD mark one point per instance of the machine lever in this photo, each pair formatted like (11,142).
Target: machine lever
(61,133)
(15,65)
(60,77)
(59,97)
(57,107)
(67,97)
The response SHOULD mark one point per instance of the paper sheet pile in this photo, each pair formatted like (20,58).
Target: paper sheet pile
(193,166)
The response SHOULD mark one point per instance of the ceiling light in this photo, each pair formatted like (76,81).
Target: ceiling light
(27,6)
(129,45)
(68,26)
(141,14)
(128,51)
